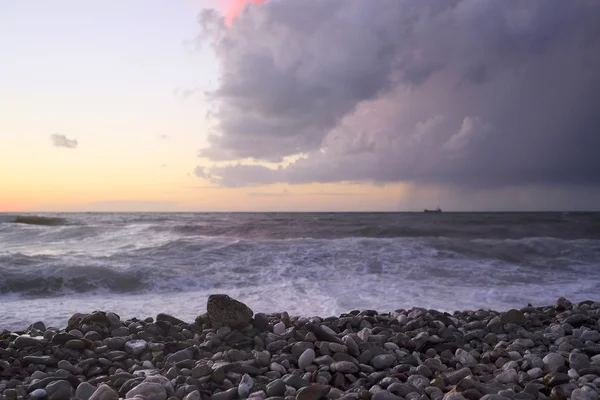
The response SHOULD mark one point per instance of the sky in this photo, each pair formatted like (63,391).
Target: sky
(289,105)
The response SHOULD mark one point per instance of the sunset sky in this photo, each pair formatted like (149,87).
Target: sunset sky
(204,105)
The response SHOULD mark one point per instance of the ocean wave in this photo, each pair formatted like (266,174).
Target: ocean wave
(187,264)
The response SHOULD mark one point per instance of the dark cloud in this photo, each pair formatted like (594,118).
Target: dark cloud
(461,92)
(62,141)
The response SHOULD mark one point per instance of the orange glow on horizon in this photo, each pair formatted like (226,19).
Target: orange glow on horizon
(235,8)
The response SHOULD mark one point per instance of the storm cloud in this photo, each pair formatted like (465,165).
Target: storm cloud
(461,92)
(63,141)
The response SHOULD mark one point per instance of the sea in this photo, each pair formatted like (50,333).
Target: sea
(308,264)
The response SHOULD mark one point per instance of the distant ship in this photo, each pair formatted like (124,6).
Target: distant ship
(437,210)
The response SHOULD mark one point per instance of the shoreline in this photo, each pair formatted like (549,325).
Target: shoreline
(230,352)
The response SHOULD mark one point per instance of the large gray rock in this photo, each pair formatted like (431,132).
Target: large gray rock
(225,311)
(513,317)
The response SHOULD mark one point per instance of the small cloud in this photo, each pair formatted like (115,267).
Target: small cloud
(163,137)
(185,93)
(283,193)
(163,165)
(63,141)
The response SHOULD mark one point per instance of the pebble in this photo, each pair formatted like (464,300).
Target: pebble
(313,392)
(535,373)
(27,341)
(149,390)
(229,394)
(59,390)
(39,394)
(579,361)
(465,358)
(278,368)
(84,391)
(345,367)
(245,386)
(295,381)
(104,392)
(279,328)
(545,353)
(384,395)
(592,336)
(276,388)
(383,361)
(135,347)
(195,395)
(553,361)
(306,358)
(508,376)
(556,378)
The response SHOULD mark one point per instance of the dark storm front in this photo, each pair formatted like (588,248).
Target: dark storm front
(347,260)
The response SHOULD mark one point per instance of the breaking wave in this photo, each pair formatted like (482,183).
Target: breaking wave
(319,264)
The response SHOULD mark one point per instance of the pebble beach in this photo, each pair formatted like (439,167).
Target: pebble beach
(232,352)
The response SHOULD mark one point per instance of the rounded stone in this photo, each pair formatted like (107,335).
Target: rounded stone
(38,394)
(59,390)
(313,392)
(84,391)
(149,390)
(245,386)
(279,328)
(276,388)
(553,361)
(345,367)
(383,361)
(104,392)
(136,347)
(306,358)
